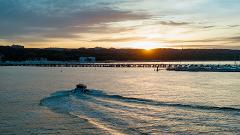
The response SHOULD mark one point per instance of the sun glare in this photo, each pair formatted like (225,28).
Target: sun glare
(145,45)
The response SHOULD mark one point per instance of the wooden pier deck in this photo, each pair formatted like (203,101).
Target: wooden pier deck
(113,65)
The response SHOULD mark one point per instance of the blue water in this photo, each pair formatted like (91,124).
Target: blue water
(37,100)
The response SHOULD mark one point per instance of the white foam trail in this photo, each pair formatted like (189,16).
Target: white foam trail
(97,124)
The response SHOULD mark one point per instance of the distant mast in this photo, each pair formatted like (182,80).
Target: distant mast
(236,58)
(181,54)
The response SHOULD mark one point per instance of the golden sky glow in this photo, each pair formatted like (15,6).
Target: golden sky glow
(121,23)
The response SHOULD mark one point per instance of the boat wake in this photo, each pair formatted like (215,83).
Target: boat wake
(117,114)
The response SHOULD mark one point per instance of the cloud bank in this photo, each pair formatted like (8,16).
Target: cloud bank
(83,22)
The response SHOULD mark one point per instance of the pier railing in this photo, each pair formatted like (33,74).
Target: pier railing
(116,65)
(113,65)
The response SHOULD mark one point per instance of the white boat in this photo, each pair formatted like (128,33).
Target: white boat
(205,68)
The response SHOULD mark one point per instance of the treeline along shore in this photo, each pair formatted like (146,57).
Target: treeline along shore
(8,53)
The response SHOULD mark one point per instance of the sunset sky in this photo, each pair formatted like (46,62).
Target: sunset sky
(121,23)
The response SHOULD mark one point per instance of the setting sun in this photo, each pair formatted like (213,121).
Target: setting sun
(148,49)
(144,45)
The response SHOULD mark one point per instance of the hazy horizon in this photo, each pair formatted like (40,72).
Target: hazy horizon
(169,47)
(144,24)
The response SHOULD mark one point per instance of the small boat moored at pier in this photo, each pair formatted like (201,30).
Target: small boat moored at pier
(205,68)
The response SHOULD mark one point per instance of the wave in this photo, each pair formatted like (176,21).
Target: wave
(116,114)
(101,94)
(99,125)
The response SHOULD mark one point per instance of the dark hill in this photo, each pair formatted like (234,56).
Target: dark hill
(103,54)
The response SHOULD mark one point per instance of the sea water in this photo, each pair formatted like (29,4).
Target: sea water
(38,100)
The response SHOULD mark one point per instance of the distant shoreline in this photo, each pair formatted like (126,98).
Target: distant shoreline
(8,53)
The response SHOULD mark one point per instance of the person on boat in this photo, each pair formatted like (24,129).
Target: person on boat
(80,88)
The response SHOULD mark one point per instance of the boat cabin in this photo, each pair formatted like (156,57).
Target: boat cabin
(80,88)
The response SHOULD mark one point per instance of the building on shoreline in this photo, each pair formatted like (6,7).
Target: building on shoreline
(17,46)
(87,59)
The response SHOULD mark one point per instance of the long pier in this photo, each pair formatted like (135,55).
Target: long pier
(113,65)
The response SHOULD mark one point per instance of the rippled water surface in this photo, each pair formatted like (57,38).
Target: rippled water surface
(38,100)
